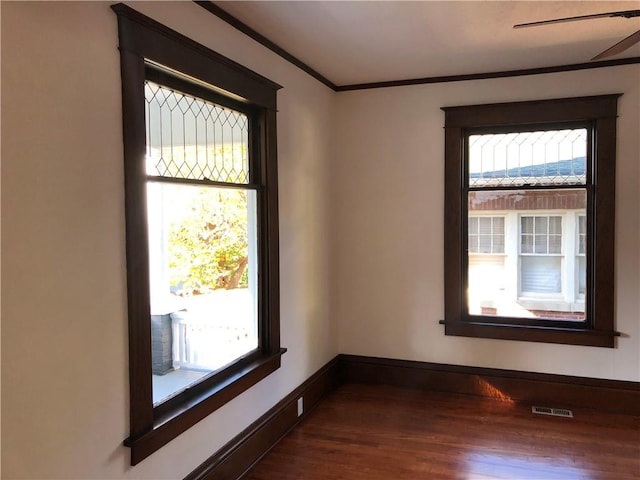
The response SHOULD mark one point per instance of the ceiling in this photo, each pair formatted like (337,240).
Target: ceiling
(362,42)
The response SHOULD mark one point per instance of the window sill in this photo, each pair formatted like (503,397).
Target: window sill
(558,304)
(174,422)
(567,336)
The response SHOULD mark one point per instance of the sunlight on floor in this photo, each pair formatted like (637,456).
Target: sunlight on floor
(481,466)
(488,390)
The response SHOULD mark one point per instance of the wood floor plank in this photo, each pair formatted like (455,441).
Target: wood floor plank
(374,432)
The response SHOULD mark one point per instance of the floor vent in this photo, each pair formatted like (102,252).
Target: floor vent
(556,412)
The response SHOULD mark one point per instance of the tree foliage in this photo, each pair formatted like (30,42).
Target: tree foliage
(208,247)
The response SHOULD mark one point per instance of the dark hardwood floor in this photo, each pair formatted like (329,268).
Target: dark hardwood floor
(378,432)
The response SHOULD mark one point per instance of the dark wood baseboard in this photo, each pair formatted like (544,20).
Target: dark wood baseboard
(525,387)
(235,458)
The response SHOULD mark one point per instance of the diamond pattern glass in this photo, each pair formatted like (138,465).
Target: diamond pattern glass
(191,138)
(553,157)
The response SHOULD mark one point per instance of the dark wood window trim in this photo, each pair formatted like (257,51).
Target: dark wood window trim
(599,114)
(143,41)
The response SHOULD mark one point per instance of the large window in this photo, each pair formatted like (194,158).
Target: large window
(202,229)
(203,246)
(529,207)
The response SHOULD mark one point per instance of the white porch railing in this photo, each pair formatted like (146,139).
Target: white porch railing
(206,346)
(214,330)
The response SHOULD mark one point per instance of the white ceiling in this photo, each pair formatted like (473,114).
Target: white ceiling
(359,42)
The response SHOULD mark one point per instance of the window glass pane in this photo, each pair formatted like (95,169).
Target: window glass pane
(540,225)
(540,274)
(555,225)
(486,283)
(582,234)
(489,237)
(528,158)
(582,275)
(555,243)
(195,139)
(533,277)
(473,243)
(484,244)
(202,247)
(527,225)
(540,244)
(484,225)
(526,243)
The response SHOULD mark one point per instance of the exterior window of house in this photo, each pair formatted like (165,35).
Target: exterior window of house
(201,229)
(486,234)
(486,260)
(541,254)
(531,187)
(582,252)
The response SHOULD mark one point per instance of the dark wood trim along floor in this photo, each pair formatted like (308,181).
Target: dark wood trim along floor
(524,387)
(512,387)
(235,458)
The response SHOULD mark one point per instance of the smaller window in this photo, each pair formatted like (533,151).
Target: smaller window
(541,235)
(529,192)
(540,262)
(486,235)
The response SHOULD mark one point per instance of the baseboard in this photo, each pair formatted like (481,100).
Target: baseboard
(235,458)
(534,388)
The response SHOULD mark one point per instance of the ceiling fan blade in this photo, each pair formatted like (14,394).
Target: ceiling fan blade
(622,13)
(619,47)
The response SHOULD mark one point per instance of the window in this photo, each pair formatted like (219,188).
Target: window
(202,229)
(486,234)
(582,251)
(202,236)
(541,254)
(529,208)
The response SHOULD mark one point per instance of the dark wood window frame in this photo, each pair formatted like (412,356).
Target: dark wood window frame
(598,114)
(143,41)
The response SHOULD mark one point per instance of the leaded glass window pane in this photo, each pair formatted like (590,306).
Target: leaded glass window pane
(554,157)
(192,138)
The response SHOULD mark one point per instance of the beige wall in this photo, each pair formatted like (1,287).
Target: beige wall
(64,345)
(388,225)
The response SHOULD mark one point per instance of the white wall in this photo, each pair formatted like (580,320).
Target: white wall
(388,225)
(64,341)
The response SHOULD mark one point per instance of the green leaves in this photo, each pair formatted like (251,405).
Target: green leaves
(208,249)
